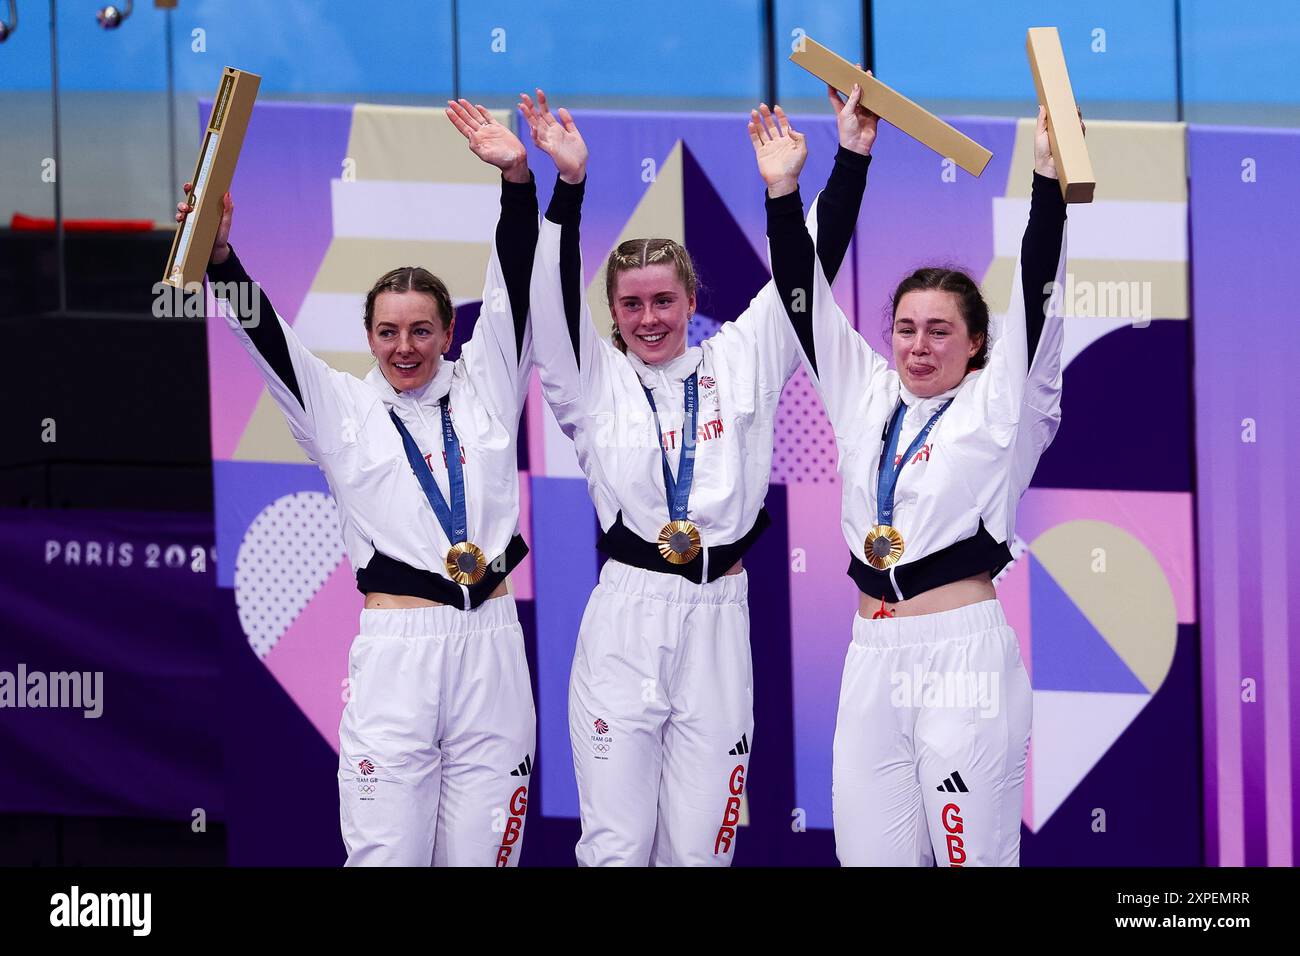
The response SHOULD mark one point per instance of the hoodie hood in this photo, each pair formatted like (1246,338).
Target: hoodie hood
(428,396)
(673,372)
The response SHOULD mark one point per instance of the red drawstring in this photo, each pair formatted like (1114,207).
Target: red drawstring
(882,612)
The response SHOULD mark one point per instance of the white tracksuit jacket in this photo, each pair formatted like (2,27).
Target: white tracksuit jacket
(981,454)
(437,738)
(596,393)
(342,422)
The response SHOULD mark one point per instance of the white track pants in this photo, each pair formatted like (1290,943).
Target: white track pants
(661,715)
(436,742)
(931,741)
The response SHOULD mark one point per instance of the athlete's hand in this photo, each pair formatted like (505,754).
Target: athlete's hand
(856,123)
(220,245)
(489,140)
(1044,161)
(559,139)
(779,149)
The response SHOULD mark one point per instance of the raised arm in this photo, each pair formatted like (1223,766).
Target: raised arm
(763,327)
(1042,263)
(838,359)
(1042,270)
(838,205)
(567,349)
(1023,378)
(498,356)
(298,381)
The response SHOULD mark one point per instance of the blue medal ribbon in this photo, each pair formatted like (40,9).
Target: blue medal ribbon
(887,480)
(452,518)
(679,489)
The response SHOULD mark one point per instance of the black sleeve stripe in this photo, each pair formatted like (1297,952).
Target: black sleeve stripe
(1040,253)
(571,285)
(793,265)
(565,209)
(516,240)
(266,334)
(838,207)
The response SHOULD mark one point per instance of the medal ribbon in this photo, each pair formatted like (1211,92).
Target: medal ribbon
(679,489)
(451,518)
(887,480)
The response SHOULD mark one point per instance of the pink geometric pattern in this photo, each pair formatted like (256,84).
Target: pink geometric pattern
(805,445)
(311,660)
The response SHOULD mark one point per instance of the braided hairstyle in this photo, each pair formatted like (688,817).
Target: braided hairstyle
(639,253)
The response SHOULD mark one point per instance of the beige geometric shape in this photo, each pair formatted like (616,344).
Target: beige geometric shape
(1167,283)
(1130,603)
(415,143)
(353,265)
(267,436)
(659,215)
(1146,161)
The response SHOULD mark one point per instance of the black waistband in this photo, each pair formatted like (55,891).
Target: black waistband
(622,544)
(390,576)
(960,560)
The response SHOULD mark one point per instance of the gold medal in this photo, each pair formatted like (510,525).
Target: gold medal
(884,546)
(466,563)
(679,542)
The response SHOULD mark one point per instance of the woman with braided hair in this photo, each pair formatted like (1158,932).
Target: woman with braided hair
(676,444)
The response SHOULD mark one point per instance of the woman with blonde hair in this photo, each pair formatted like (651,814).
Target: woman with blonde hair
(676,443)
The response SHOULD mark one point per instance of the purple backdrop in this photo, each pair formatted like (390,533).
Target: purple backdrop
(801,620)
(1245,195)
(127,597)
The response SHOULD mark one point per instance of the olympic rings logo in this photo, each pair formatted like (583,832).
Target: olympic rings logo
(366,788)
(601,748)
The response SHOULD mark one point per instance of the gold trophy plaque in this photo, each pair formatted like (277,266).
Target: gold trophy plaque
(1052,80)
(892,106)
(231,109)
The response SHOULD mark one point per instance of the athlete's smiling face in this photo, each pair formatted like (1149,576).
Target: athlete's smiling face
(932,347)
(652,310)
(408,338)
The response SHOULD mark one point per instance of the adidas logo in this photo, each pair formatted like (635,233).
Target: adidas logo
(742,746)
(953,784)
(525,768)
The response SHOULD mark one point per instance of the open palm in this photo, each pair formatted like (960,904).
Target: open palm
(488,139)
(558,138)
(779,149)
